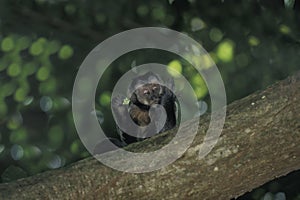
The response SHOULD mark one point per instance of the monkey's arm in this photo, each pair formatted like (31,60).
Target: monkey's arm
(126,116)
(105,144)
(139,116)
(168,102)
(120,110)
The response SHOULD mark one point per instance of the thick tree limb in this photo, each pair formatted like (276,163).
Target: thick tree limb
(260,141)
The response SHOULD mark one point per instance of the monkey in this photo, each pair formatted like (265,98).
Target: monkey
(147,92)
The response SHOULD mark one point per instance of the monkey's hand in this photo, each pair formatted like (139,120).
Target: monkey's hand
(119,109)
(168,102)
(168,98)
(118,100)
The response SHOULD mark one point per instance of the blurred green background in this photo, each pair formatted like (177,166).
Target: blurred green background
(43,43)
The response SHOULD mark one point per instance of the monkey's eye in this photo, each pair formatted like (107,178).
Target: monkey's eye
(146,92)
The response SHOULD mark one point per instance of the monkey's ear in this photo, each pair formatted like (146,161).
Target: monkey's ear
(136,83)
(170,84)
(153,78)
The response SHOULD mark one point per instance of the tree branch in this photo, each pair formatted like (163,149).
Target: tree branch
(260,141)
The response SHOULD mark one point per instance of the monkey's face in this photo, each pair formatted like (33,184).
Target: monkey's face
(149,93)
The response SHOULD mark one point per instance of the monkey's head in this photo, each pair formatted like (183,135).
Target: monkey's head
(147,89)
(149,94)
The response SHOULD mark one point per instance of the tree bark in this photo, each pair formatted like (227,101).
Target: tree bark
(260,141)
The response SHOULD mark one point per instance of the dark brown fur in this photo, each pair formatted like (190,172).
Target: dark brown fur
(147,93)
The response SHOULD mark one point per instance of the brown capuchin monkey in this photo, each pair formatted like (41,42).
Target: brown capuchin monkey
(147,92)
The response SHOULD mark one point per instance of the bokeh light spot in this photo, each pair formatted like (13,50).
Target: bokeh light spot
(197,24)
(284,29)
(46,103)
(7,44)
(16,152)
(105,98)
(43,73)
(253,41)
(13,70)
(215,35)
(225,51)
(36,48)
(173,67)
(65,52)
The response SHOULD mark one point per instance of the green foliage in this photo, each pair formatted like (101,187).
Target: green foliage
(174,67)
(253,41)
(7,44)
(37,48)
(70,9)
(215,34)
(142,10)
(25,77)
(284,29)
(105,98)
(43,73)
(13,70)
(65,52)
(199,86)
(55,136)
(225,51)
(18,136)
(197,24)
(76,147)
